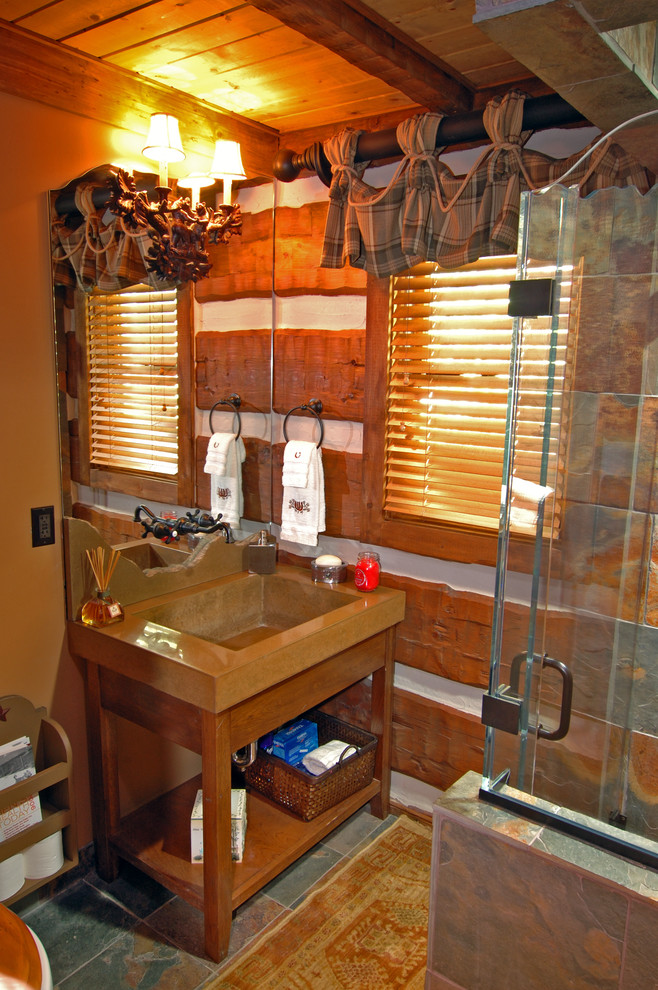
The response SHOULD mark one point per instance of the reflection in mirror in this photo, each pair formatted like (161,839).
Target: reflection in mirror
(319,354)
(197,344)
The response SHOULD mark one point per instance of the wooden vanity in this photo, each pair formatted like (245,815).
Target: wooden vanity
(214,701)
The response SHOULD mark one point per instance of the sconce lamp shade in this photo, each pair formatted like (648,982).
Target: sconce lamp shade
(195,181)
(227,165)
(163,143)
(227,161)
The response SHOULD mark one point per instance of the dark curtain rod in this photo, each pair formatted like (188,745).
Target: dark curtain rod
(539,114)
(65,202)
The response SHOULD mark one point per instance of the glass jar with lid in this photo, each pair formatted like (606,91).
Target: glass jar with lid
(366,572)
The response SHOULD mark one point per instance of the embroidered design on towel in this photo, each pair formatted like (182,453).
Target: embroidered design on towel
(299,505)
(223,493)
(302,504)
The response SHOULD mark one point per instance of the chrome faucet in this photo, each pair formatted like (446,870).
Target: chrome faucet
(227,531)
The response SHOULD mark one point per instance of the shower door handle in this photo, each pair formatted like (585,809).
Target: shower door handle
(565,704)
(567,693)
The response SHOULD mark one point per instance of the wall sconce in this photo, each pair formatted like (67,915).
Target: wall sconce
(163,144)
(180,230)
(227,165)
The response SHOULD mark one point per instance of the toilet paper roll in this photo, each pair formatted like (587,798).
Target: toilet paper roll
(44,858)
(12,876)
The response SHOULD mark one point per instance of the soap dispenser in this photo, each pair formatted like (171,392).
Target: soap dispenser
(261,554)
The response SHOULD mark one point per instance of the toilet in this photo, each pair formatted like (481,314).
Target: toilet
(23,960)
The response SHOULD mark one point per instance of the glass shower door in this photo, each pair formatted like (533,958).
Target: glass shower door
(530,502)
(571,710)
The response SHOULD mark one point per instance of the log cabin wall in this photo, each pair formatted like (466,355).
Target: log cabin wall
(319,338)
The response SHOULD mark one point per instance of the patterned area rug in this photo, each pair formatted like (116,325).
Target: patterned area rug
(365,929)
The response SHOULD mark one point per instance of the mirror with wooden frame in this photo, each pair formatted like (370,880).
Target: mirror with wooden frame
(203,342)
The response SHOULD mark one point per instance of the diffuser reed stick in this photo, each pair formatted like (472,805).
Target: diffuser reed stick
(102,609)
(102,571)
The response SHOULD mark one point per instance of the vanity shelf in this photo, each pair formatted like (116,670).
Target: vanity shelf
(156,839)
(52,781)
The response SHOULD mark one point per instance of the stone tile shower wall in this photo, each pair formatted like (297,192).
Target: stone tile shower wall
(608,556)
(515,905)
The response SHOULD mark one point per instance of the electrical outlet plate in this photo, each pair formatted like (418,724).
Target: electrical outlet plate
(43,526)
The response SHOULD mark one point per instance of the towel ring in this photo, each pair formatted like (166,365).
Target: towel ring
(314,406)
(235,402)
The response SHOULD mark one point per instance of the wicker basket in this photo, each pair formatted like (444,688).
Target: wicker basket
(302,793)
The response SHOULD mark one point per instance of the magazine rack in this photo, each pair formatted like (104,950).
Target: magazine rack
(52,781)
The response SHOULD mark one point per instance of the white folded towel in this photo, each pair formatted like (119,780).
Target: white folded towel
(226,495)
(303,509)
(296,463)
(216,454)
(327,756)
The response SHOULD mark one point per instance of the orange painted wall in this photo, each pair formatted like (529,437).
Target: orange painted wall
(41,149)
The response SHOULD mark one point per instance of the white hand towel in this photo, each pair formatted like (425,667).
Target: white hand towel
(303,509)
(218,446)
(327,756)
(226,495)
(296,462)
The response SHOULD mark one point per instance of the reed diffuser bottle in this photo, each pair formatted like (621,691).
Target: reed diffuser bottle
(102,609)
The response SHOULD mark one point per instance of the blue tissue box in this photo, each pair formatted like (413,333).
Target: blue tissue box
(294,741)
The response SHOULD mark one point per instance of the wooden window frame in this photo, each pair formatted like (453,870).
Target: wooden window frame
(179,489)
(430,539)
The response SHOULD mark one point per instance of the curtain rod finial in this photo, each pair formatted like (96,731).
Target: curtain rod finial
(288,164)
(285,165)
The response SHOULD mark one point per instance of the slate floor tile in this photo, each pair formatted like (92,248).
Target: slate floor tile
(134,890)
(76,925)
(295,882)
(139,960)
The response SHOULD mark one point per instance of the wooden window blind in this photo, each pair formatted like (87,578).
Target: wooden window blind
(448,380)
(132,355)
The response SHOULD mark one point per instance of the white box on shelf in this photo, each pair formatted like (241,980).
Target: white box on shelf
(238,825)
(17,764)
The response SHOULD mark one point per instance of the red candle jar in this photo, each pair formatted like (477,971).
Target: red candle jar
(366,572)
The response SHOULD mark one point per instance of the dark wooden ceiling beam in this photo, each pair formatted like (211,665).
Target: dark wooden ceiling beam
(362,42)
(607,15)
(610,85)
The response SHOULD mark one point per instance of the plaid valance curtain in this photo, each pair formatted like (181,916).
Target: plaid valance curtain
(100,253)
(426,213)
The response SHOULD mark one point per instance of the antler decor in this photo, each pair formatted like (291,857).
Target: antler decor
(180,233)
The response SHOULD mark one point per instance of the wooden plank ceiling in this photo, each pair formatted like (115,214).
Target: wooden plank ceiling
(295,65)
(299,69)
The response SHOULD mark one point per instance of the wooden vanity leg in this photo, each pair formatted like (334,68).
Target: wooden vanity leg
(217,862)
(104,775)
(381,724)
